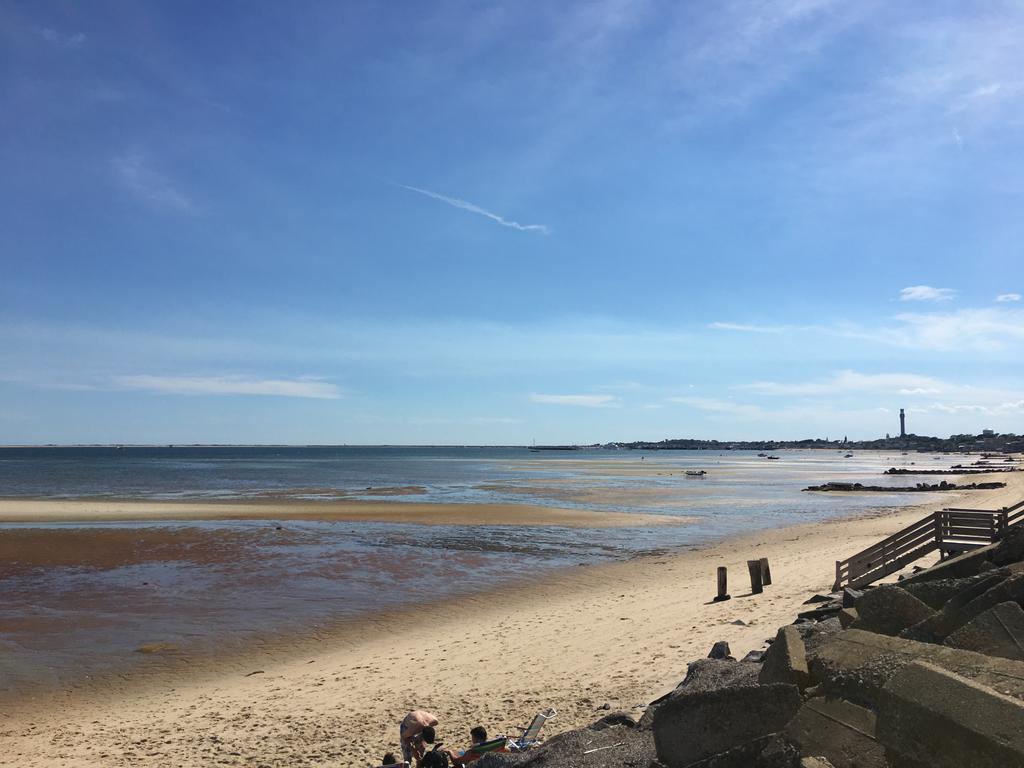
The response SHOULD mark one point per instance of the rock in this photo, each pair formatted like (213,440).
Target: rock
(615,718)
(786,660)
(838,730)
(966,564)
(816,633)
(848,616)
(999,631)
(755,657)
(720,650)
(851,596)
(936,718)
(856,665)
(778,753)
(815,762)
(824,611)
(889,610)
(705,675)
(701,725)
(1011,548)
(614,747)
(818,599)
(936,594)
(963,607)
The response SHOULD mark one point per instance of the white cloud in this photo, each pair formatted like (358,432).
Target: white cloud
(926,293)
(230,385)
(1005,297)
(847,382)
(465,205)
(136,174)
(61,40)
(585,401)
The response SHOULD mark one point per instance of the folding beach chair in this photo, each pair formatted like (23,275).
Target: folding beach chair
(395,765)
(531,734)
(477,751)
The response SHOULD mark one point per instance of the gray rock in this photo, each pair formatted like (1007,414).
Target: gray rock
(851,596)
(936,628)
(720,650)
(955,615)
(816,633)
(702,725)
(933,717)
(786,661)
(705,675)
(838,730)
(613,747)
(1011,548)
(966,564)
(999,631)
(848,616)
(856,665)
(935,594)
(889,610)
(815,762)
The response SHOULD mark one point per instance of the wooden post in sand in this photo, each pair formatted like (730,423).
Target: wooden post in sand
(754,566)
(723,584)
(766,572)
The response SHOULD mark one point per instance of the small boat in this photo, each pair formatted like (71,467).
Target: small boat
(762,455)
(695,473)
(775,458)
(848,456)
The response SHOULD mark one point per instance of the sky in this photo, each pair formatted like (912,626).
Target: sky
(467,222)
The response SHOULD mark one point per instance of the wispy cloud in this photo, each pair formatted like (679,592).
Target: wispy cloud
(585,401)
(53,37)
(926,293)
(135,173)
(465,205)
(230,385)
(1004,297)
(849,382)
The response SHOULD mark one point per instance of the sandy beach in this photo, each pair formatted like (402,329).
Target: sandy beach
(617,634)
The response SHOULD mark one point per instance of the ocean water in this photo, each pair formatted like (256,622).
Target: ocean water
(203,587)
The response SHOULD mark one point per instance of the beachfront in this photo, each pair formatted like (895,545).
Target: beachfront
(618,634)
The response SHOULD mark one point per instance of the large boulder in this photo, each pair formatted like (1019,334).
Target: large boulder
(838,730)
(613,746)
(733,723)
(786,661)
(999,631)
(1010,549)
(955,613)
(890,610)
(856,665)
(705,675)
(935,594)
(933,717)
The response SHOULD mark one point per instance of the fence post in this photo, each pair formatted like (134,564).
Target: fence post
(754,567)
(723,584)
(938,533)
(766,572)
(839,579)
(1004,522)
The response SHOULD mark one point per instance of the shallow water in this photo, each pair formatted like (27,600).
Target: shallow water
(200,587)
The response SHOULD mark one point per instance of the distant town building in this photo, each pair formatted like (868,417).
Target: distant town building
(903,423)
(988,433)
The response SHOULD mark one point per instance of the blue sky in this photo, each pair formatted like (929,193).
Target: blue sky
(471,222)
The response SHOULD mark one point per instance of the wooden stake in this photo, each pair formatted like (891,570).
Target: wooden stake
(754,566)
(766,572)
(723,584)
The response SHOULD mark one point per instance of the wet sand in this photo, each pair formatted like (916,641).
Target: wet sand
(80,510)
(618,634)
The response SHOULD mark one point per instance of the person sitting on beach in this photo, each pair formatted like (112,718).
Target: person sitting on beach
(416,729)
(477,735)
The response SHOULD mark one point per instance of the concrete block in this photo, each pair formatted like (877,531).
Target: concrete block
(889,610)
(955,612)
(815,762)
(699,726)
(786,661)
(856,665)
(966,564)
(935,594)
(838,730)
(933,717)
(999,631)
(848,616)
(705,675)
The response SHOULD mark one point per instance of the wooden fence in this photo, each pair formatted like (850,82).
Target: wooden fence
(950,531)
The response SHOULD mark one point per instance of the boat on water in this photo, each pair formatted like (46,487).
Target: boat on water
(773,458)
(696,472)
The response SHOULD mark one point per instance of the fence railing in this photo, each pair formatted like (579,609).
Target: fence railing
(950,531)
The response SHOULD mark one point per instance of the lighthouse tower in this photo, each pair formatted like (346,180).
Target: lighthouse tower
(903,423)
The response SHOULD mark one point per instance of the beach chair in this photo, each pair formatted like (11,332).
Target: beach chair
(395,765)
(531,734)
(477,751)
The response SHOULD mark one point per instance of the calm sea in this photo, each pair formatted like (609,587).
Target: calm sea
(57,623)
